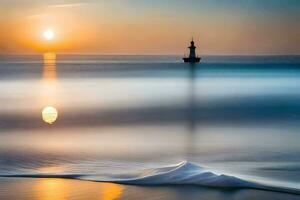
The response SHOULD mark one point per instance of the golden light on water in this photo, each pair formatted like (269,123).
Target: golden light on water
(49,114)
(49,84)
(112,191)
(49,71)
(51,170)
(63,189)
(52,189)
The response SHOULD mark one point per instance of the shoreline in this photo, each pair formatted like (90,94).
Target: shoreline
(57,188)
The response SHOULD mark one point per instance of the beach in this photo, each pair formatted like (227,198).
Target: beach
(42,189)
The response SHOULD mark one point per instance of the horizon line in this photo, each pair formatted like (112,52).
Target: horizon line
(103,54)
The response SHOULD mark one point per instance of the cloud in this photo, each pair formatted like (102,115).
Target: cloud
(36,16)
(67,5)
(72,3)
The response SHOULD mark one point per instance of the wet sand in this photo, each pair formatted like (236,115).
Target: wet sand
(65,189)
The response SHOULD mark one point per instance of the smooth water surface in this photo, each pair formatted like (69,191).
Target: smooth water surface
(119,115)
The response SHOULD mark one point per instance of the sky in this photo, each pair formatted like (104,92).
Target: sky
(219,27)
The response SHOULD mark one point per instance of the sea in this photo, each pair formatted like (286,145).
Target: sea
(229,122)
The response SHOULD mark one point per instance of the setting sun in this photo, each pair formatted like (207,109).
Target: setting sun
(48,34)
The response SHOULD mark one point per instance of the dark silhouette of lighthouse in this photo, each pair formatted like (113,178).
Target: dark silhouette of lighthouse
(192,57)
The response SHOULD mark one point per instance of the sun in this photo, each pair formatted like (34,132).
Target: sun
(49,34)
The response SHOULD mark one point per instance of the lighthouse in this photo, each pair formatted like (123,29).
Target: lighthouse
(192,57)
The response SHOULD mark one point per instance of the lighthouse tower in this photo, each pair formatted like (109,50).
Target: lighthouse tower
(192,50)
(192,57)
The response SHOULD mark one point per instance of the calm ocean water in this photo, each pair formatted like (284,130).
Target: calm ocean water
(120,115)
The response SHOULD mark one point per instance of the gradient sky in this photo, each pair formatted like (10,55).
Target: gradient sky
(151,26)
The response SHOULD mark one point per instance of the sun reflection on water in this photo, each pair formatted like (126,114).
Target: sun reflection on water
(52,189)
(62,189)
(49,112)
(111,191)
(49,72)
(51,170)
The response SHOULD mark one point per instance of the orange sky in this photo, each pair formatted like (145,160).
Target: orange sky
(159,27)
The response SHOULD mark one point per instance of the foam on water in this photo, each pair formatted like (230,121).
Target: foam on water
(184,173)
